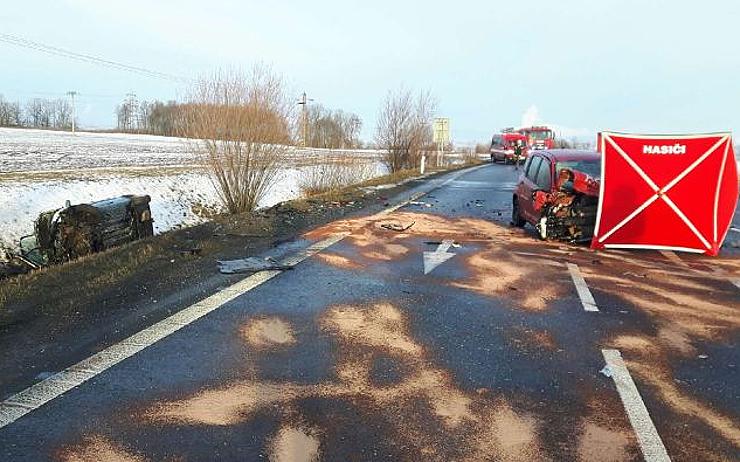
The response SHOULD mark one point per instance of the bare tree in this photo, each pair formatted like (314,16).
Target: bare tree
(143,116)
(36,113)
(405,128)
(127,114)
(241,125)
(332,129)
(60,111)
(10,113)
(165,118)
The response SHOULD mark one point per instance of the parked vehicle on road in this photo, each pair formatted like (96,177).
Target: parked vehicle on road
(503,147)
(538,137)
(557,193)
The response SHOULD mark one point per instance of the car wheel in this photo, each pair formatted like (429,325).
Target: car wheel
(516,218)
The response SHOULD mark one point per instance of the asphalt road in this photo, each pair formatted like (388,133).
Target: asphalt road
(357,354)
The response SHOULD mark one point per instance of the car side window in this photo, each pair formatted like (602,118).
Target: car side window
(526,165)
(532,170)
(544,180)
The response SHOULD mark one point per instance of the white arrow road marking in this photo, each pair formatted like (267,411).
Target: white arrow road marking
(648,437)
(439,256)
(37,395)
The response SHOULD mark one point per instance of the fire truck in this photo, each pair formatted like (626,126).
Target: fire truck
(538,137)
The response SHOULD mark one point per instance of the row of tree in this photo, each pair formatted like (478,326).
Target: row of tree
(325,128)
(242,124)
(331,129)
(155,117)
(36,113)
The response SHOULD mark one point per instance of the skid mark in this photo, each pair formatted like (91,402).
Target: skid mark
(267,332)
(97,449)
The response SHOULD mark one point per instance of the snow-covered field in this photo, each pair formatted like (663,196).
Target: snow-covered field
(40,170)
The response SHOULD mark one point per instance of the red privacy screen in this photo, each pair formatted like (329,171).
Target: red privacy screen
(675,192)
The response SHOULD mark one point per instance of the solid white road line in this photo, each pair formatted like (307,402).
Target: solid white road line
(42,392)
(650,442)
(54,386)
(587,300)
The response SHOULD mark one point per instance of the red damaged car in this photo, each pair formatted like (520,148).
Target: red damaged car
(558,193)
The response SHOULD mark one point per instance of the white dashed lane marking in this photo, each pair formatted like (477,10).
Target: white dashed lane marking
(651,445)
(587,300)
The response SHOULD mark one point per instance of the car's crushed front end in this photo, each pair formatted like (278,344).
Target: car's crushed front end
(569,213)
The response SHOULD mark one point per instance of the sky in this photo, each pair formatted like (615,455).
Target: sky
(581,66)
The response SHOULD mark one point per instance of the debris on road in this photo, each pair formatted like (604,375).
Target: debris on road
(630,273)
(420,203)
(397,227)
(606,371)
(250,265)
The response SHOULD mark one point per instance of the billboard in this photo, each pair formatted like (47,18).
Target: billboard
(672,192)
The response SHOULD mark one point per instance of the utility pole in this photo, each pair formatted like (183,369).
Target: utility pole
(304,103)
(72,94)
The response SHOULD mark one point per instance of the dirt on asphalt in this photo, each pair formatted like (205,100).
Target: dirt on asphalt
(50,316)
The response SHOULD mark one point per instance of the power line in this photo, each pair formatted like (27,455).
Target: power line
(55,51)
(32,94)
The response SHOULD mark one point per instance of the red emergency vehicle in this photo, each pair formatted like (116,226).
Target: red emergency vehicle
(538,137)
(503,146)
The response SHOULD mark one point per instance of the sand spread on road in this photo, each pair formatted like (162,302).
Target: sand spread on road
(266,332)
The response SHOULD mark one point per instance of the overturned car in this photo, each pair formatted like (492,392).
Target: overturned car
(73,231)
(558,193)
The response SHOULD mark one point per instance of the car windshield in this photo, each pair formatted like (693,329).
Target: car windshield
(541,135)
(590,167)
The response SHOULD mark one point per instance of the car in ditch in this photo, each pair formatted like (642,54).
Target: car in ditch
(74,231)
(558,193)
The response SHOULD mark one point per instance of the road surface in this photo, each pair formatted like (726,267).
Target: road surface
(429,331)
